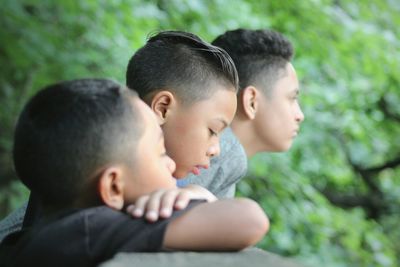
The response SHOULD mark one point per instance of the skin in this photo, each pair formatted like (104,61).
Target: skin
(157,173)
(207,226)
(192,131)
(148,181)
(269,122)
(263,122)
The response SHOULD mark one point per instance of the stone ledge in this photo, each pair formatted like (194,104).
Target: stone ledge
(252,257)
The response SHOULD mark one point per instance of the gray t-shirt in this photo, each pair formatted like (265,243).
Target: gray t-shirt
(225,171)
(13,222)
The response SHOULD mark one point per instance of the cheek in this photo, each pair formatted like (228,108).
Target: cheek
(273,123)
(174,143)
(283,113)
(131,190)
(180,149)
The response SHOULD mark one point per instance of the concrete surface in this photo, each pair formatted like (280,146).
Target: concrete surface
(249,258)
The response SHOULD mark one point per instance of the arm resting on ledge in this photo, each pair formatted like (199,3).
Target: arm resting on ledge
(225,225)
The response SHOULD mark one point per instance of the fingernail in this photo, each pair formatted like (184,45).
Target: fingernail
(138,212)
(180,204)
(130,208)
(151,215)
(165,212)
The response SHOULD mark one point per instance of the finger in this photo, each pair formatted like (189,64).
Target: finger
(168,202)
(129,209)
(182,200)
(153,205)
(140,206)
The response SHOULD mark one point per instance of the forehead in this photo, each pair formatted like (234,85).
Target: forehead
(287,82)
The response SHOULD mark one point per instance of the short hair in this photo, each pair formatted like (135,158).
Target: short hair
(70,130)
(182,63)
(260,56)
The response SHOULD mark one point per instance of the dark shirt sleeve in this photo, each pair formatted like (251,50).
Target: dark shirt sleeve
(110,232)
(33,211)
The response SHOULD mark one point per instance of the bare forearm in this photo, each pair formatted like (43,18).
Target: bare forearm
(222,225)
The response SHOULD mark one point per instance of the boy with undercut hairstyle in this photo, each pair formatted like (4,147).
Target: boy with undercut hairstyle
(89,147)
(268,115)
(191,86)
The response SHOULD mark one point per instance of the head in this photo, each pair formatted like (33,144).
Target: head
(269,88)
(191,87)
(77,144)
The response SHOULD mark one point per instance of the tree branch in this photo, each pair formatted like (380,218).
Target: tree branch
(365,175)
(384,107)
(389,164)
(374,205)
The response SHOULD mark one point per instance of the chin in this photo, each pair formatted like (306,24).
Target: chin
(286,148)
(282,148)
(179,174)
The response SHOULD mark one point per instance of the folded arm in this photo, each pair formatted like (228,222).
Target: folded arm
(224,225)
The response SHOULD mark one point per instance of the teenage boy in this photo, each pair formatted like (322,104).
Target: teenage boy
(191,87)
(87,148)
(268,117)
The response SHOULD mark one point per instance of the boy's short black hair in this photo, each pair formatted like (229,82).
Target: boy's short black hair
(260,56)
(69,131)
(182,63)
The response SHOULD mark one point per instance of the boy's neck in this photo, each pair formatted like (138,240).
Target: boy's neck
(245,132)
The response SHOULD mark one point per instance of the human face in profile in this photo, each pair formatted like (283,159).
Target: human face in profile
(279,116)
(192,131)
(152,170)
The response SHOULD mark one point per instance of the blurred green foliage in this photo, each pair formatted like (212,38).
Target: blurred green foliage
(334,198)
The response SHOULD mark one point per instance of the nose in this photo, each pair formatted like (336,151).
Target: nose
(171,165)
(214,150)
(299,114)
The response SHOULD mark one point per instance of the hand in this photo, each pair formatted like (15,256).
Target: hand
(199,192)
(161,203)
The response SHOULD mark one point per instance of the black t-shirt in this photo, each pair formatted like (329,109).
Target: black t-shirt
(83,238)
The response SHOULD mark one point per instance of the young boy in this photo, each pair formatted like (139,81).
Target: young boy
(89,147)
(268,116)
(191,87)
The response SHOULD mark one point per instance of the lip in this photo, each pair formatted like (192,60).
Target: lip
(196,169)
(204,166)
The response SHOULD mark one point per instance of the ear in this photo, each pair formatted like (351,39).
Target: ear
(161,104)
(111,188)
(250,97)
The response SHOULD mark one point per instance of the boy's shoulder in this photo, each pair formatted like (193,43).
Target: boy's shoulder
(78,238)
(101,230)
(231,147)
(83,238)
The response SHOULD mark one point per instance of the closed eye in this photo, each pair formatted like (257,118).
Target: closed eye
(213,133)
